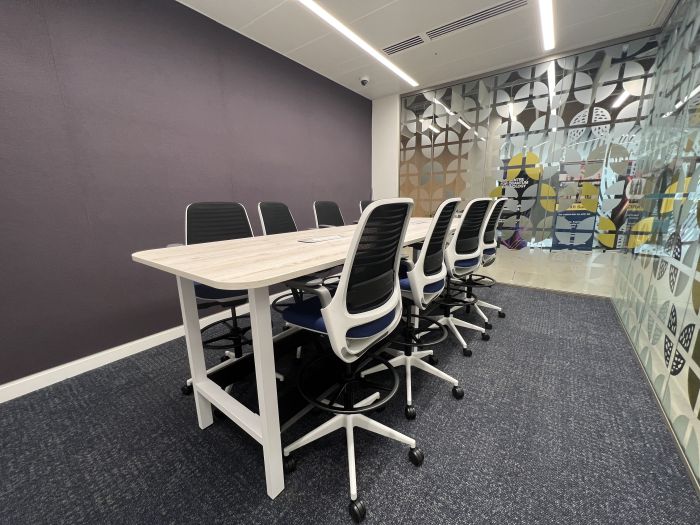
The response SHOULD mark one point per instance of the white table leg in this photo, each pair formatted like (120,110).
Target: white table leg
(195,351)
(264,357)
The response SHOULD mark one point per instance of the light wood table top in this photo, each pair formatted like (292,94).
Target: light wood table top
(255,262)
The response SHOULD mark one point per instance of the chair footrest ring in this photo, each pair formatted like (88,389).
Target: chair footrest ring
(428,333)
(340,397)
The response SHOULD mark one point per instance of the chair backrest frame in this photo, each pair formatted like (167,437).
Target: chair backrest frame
(337,315)
(435,241)
(489,241)
(271,225)
(228,217)
(325,208)
(472,224)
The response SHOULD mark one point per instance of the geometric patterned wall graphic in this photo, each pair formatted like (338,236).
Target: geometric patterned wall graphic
(657,280)
(559,139)
(594,151)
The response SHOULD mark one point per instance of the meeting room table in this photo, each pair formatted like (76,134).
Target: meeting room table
(253,264)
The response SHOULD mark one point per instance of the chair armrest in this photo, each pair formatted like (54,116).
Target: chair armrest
(326,226)
(312,286)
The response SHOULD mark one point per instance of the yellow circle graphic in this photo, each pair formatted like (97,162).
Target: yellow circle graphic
(667,203)
(589,196)
(640,233)
(548,197)
(532,163)
(606,239)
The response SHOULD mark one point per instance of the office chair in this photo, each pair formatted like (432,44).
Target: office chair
(462,257)
(275,217)
(327,214)
(211,222)
(364,204)
(490,245)
(421,282)
(355,319)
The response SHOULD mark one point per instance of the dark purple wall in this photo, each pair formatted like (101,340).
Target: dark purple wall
(114,114)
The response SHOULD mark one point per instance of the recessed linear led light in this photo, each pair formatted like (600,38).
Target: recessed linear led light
(547,24)
(621,99)
(355,39)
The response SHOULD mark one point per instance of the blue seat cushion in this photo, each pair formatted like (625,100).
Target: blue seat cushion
(429,288)
(467,263)
(202,291)
(489,251)
(307,314)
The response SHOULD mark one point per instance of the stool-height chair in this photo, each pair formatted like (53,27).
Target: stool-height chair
(327,214)
(462,257)
(355,318)
(211,222)
(421,282)
(490,245)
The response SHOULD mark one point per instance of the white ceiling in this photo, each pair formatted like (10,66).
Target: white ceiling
(508,39)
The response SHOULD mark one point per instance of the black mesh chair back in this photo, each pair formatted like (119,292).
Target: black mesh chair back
(373,274)
(275,217)
(364,204)
(494,217)
(216,221)
(434,255)
(469,232)
(327,213)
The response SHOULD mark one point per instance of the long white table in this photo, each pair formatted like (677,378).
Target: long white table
(251,264)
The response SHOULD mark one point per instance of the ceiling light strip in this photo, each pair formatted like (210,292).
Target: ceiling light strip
(356,39)
(547,24)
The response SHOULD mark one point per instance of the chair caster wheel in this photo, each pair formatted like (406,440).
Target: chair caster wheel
(485,337)
(410,412)
(416,456)
(187,390)
(501,314)
(488,326)
(466,352)
(223,358)
(457,392)
(358,511)
(433,360)
(289,465)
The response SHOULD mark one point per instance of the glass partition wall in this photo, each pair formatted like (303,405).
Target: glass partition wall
(657,284)
(559,138)
(596,152)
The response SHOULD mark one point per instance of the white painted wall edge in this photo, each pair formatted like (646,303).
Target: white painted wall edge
(30,383)
(385,147)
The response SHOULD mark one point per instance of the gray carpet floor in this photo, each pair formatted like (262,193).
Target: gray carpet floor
(558,425)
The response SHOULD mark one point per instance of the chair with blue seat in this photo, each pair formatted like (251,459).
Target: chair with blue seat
(212,222)
(327,214)
(490,244)
(421,282)
(355,318)
(462,257)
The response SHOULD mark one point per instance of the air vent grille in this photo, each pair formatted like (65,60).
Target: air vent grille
(475,18)
(395,48)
